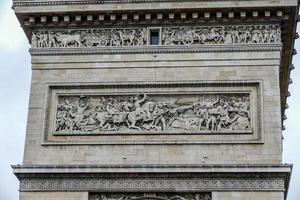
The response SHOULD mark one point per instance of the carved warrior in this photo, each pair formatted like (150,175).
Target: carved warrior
(155,113)
(187,35)
(150,196)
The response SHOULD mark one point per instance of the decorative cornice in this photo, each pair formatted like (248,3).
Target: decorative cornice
(142,178)
(151,167)
(156,49)
(84,2)
(152,184)
(18,3)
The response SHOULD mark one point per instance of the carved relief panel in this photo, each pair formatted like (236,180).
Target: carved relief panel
(167,36)
(152,113)
(150,196)
(138,111)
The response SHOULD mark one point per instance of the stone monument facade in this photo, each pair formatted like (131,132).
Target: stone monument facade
(157,99)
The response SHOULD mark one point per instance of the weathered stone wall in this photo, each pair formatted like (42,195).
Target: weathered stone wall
(247,195)
(54,195)
(260,67)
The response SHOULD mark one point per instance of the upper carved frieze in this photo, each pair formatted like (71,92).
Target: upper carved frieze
(167,36)
(153,113)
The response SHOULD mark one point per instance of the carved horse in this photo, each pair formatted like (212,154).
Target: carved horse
(127,37)
(207,36)
(66,39)
(102,118)
(133,117)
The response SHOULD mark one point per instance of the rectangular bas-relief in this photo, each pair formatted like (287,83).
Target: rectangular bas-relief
(150,196)
(167,111)
(153,113)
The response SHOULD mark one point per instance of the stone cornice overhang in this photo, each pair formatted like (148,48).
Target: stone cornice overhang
(144,4)
(131,178)
(38,15)
(155,50)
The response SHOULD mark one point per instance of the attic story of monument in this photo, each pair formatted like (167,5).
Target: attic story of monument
(157,99)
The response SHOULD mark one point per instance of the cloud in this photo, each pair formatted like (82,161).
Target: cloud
(12,35)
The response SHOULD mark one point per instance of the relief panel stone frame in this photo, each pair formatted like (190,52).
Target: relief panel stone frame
(251,88)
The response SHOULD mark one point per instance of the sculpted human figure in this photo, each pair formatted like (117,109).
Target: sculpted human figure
(51,40)
(255,36)
(266,35)
(228,37)
(273,35)
(43,39)
(114,38)
(77,113)
(224,118)
(278,36)
(82,104)
(169,37)
(159,116)
(127,37)
(138,113)
(61,118)
(110,108)
(235,35)
(126,106)
(39,39)
(246,35)
(211,118)
(142,37)
(216,35)
(34,40)
(261,34)
(222,36)
(211,114)
(201,113)
(138,105)
(176,112)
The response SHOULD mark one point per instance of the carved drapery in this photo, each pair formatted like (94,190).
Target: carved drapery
(169,36)
(148,113)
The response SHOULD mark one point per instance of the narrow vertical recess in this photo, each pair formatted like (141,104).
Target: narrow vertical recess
(154,37)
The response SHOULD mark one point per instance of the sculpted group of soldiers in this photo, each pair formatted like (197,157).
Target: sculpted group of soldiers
(144,113)
(222,35)
(90,38)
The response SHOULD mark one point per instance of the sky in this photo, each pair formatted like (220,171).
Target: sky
(15,75)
